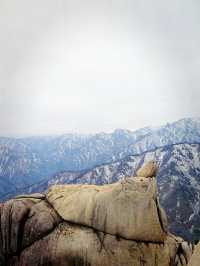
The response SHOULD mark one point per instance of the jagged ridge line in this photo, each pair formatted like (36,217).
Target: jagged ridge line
(103,164)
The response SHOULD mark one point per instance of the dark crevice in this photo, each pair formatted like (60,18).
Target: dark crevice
(114,235)
(20,231)
(35,240)
(31,196)
(160,215)
(101,237)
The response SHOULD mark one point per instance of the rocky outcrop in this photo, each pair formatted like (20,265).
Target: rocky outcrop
(117,224)
(128,209)
(148,170)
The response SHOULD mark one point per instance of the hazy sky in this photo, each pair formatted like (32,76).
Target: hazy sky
(89,66)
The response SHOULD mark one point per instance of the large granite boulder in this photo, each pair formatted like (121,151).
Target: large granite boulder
(128,209)
(118,224)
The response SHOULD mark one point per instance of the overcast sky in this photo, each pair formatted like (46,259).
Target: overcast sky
(90,66)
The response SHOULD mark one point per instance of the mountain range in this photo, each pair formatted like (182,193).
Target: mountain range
(33,164)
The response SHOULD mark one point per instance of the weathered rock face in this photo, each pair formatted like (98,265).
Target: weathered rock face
(128,209)
(149,170)
(195,259)
(118,224)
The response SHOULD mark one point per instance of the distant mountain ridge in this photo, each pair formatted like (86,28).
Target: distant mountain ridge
(29,160)
(183,131)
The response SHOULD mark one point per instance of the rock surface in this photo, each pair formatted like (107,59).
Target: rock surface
(148,170)
(116,209)
(120,224)
(195,259)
